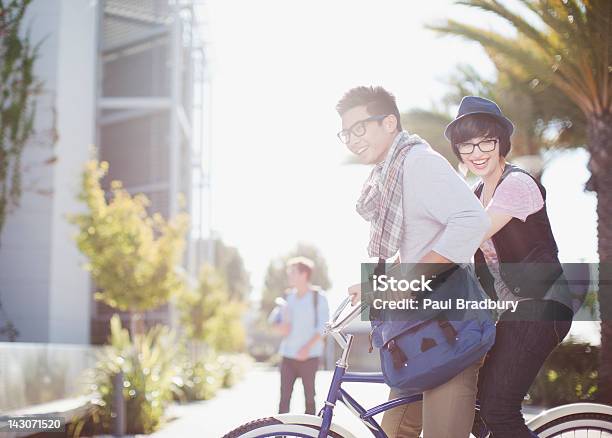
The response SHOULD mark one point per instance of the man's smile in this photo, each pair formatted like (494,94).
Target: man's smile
(360,150)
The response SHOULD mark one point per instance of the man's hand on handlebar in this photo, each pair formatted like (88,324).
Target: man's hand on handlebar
(354,292)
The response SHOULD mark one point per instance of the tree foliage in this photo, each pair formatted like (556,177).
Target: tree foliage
(209,314)
(565,47)
(132,256)
(566,51)
(230,264)
(542,117)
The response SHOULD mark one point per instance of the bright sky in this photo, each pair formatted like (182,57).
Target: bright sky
(279,68)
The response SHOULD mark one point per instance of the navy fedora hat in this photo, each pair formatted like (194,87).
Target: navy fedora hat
(479,105)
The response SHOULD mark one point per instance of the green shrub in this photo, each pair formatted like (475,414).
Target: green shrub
(569,375)
(149,375)
(233,366)
(200,380)
(156,371)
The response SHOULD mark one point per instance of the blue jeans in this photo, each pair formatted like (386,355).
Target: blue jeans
(523,342)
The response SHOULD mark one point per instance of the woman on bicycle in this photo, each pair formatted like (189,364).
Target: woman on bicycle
(516,261)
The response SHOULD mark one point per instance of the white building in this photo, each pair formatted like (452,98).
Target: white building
(129,77)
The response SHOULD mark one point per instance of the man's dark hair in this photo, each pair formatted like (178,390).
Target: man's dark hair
(377,101)
(479,125)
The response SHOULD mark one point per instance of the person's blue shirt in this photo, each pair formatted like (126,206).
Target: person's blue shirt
(301,315)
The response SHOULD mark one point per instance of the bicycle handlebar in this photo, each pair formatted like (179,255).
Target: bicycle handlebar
(333,326)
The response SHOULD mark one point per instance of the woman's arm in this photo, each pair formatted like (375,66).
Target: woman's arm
(498,221)
(518,196)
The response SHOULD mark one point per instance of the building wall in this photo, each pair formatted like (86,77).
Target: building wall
(138,62)
(69,294)
(43,288)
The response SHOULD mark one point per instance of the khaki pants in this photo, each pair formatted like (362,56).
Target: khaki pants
(445,412)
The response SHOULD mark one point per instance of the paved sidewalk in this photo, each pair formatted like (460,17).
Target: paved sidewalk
(256,396)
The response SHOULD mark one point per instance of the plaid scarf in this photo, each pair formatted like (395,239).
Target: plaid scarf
(380,202)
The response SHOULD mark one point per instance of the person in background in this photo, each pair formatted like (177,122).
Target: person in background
(300,320)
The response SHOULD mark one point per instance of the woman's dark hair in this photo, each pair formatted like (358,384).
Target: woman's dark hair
(479,125)
(377,101)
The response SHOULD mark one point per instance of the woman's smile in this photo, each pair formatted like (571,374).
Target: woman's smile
(480,163)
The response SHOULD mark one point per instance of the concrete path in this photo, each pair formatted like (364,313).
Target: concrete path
(256,396)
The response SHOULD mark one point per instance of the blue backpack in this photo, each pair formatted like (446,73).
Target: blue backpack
(420,355)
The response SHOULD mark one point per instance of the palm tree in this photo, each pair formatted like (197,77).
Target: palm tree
(566,45)
(522,107)
(540,125)
(429,125)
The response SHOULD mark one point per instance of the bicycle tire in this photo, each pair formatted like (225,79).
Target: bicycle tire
(270,422)
(598,421)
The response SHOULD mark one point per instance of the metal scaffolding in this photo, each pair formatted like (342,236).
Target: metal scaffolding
(153,67)
(153,107)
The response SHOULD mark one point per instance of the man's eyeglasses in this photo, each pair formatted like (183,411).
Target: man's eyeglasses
(487,145)
(358,129)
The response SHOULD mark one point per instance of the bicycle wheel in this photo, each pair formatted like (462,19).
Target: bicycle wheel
(579,425)
(272,427)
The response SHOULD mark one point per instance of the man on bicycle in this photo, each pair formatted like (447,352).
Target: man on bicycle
(430,217)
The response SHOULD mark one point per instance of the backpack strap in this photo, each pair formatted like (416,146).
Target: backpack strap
(397,355)
(316,306)
(478,189)
(448,330)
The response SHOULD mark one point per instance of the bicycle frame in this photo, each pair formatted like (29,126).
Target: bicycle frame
(595,415)
(337,393)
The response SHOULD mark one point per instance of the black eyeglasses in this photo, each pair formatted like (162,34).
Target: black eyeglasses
(487,145)
(358,129)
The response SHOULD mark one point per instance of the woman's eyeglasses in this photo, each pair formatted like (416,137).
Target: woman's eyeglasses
(487,145)
(358,129)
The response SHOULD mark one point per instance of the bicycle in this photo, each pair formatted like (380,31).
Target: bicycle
(588,419)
